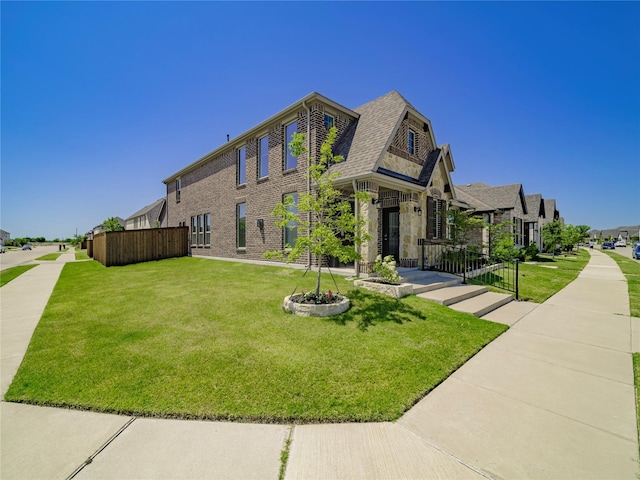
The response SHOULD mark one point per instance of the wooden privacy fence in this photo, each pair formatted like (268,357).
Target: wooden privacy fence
(135,246)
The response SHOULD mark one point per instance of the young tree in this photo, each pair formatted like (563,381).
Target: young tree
(331,226)
(501,244)
(112,224)
(463,228)
(552,236)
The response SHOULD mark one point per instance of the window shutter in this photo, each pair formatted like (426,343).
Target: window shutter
(430,218)
(442,215)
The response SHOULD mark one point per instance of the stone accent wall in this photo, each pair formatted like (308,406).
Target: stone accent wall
(400,165)
(211,188)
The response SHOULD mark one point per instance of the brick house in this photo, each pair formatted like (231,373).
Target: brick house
(390,152)
(151,216)
(505,203)
(533,220)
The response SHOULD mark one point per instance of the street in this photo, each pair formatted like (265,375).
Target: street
(13,258)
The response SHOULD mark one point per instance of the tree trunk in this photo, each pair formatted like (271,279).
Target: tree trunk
(319,272)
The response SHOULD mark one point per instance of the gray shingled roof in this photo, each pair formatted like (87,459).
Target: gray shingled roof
(501,197)
(473,202)
(549,208)
(151,211)
(375,127)
(429,165)
(535,207)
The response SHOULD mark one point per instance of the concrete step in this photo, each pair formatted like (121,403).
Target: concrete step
(455,294)
(409,275)
(422,285)
(511,312)
(482,304)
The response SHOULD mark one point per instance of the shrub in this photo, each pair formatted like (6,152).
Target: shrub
(386,269)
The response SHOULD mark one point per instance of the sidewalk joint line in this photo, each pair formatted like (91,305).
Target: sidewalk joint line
(97,452)
(449,454)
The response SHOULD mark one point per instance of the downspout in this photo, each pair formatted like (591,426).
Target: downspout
(304,105)
(356,207)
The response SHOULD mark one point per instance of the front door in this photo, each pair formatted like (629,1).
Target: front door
(391,232)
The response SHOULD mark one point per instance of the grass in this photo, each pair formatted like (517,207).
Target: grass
(631,270)
(10,273)
(546,276)
(636,376)
(197,338)
(539,280)
(49,256)
(82,255)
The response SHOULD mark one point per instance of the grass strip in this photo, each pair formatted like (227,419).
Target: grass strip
(636,376)
(9,274)
(631,270)
(49,256)
(544,277)
(198,338)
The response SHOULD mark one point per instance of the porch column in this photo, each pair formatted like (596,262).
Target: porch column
(410,222)
(368,210)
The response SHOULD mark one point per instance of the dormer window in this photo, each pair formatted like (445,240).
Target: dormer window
(328,121)
(412,142)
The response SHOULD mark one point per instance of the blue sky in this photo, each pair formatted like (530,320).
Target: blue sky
(103,100)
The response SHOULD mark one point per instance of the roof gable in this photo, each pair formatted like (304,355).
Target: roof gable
(503,197)
(376,125)
(152,212)
(535,207)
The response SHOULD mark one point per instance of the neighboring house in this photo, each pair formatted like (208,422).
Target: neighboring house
(505,203)
(100,228)
(4,237)
(151,216)
(390,152)
(551,213)
(533,220)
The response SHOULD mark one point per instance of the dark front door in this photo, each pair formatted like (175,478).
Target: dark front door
(391,232)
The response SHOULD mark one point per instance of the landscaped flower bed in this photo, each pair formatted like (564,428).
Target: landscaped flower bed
(306,305)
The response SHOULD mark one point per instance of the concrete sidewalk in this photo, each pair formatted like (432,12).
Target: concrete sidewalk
(553,398)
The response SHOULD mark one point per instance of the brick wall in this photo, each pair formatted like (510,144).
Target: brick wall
(211,188)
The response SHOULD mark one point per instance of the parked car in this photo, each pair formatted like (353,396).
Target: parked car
(608,246)
(26,246)
(635,253)
(620,243)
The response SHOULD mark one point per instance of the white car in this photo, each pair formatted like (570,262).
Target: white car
(620,243)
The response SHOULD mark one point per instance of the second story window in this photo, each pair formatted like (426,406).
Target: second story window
(263,157)
(178,189)
(328,121)
(290,161)
(241,225)
(241,166)
(291,230)
(412,142)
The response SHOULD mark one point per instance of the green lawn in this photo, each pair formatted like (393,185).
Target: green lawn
(49,256)
(197,338)
(546,276)
(82,255)
(636,376)
(9,274)
(631,270)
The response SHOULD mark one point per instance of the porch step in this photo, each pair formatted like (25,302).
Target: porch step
(435,282)
(454,294)
(482,304)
